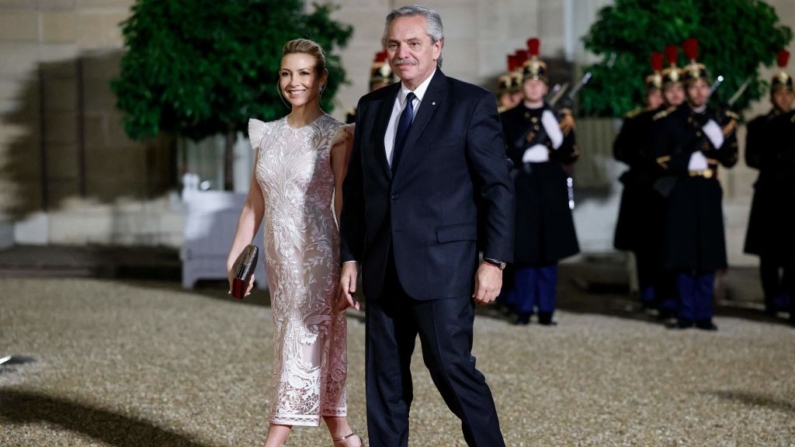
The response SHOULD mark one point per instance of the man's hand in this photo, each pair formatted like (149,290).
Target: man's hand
(348,278)
(488,282)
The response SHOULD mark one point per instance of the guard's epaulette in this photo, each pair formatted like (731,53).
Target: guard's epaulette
(732,115)
(633,113)
(664,113)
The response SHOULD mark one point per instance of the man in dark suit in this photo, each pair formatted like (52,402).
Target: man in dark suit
(428,158)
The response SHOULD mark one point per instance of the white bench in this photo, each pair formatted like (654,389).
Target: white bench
(210,222)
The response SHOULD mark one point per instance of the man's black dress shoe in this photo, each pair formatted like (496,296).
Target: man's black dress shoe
(680,324)
(522,320)
(545,319)
(647,306)
(665,314)
(706,325)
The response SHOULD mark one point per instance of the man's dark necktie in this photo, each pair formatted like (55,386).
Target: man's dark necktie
(406,117)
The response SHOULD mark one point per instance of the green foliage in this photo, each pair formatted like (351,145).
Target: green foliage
(734,36)
(203,67)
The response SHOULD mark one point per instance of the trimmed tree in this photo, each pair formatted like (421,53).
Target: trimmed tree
(198,68)
(734,37)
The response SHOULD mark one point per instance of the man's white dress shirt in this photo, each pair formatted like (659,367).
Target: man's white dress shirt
(397,109)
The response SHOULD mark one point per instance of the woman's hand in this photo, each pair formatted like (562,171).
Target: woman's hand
(231,277)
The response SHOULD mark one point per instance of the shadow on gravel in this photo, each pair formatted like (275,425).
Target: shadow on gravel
(597,287)
(22,407)
(757,400)
(217,290)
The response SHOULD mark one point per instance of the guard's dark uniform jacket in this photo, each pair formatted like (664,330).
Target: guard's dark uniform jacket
(544,225)
(770,148)
(694,238)
(640,213)
(350,116)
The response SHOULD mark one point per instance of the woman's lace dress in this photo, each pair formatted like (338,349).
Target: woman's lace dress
(293,169)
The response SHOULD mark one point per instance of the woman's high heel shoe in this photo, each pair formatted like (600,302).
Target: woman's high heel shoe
(345,438)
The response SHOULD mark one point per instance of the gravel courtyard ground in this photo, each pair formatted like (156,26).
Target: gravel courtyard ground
(143,363)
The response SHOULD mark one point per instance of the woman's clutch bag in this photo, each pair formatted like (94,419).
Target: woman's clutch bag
(244,269)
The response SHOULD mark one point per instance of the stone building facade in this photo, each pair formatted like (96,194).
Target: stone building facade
(97,186)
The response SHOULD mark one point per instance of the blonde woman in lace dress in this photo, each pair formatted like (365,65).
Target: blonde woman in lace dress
(300,164)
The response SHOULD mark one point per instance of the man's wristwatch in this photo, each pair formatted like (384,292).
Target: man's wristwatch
(499,264)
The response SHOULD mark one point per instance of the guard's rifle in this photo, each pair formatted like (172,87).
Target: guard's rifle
(568,102)
(739,92)
(714,87)
(557,92)
(725,113)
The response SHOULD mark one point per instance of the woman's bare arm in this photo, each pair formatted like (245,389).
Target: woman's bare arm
(247,226)
(340,156)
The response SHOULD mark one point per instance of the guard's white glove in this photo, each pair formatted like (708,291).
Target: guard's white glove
(536,154)
(698,162)
(552,127)
(714,133)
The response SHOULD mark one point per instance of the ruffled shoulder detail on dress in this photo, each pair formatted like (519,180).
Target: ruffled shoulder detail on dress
(256,130)
(343,135)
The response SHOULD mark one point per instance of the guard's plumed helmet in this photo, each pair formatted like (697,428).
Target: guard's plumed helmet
(782,79)
(655,80)
(671,74)
(506,83)
(534,68)
(694,70)
(381,72)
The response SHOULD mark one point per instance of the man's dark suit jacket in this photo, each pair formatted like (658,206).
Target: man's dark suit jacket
(453,168)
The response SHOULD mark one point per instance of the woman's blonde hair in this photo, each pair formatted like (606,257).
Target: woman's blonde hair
(306,46)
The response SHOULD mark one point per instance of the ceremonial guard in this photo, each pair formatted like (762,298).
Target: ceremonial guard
(641,207)
(380,76)
(770,148)
(690,141)
(507,86)
(641,218)
(539,147)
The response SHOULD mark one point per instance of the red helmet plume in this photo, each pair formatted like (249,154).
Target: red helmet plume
(656,61)
(533,45)
(691,48)
(783,58)
(521,57)
(672,54)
